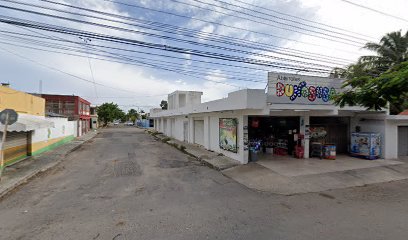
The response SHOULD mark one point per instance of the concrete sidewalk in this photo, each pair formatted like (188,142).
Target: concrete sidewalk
(21,172)
(212,159)
(271,177)
(294,176)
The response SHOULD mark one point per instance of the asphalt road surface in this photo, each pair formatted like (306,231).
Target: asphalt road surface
(125,185)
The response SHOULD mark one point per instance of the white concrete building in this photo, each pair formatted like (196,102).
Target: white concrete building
(290,115)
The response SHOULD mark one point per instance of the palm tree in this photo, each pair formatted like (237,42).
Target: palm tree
(391,50)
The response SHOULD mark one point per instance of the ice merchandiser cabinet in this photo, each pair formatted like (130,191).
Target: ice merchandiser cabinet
(366,145)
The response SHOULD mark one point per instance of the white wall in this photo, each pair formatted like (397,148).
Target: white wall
(391,137)
(62,128)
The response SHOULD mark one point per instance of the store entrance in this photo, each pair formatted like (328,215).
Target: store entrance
(336,132)
(269,136)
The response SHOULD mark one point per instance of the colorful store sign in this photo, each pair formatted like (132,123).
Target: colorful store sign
(300,89)
(228,134)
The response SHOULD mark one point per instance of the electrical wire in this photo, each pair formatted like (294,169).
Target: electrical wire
(300,18)
(63,72)
(228,26)
(176,39)
(208,36)
(132,42)
(293,28)
(375,10)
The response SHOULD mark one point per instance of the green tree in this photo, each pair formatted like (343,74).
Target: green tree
(132,115)
(143,114)
(109,112)
(164,104)
(390,51)
(373,79)
(375,92)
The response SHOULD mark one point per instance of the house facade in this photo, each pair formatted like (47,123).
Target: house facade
(33,133)
(94,117)
(291,118)
(72,107)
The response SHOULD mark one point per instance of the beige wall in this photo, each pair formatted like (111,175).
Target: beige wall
(21,102)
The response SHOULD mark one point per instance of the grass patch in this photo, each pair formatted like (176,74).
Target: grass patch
(166,139)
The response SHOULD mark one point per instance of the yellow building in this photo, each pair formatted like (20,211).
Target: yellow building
(21,102)
(31,111)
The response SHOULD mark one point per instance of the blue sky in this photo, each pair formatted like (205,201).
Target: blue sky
(142,87)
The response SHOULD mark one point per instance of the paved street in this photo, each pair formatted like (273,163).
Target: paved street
(125,185)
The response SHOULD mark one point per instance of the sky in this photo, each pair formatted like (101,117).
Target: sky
(292,35)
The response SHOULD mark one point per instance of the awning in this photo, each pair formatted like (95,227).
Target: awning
(27,123)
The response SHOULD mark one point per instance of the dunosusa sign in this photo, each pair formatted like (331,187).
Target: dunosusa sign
(301,89)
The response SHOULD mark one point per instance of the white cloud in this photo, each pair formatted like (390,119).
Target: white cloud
(148,82)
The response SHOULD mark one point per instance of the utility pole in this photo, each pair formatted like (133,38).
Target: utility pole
(40,89)
(86,40)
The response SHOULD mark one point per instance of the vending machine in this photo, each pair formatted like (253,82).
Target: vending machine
(366,145)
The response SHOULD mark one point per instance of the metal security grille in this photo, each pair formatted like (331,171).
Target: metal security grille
(199,132)
(402,141)
(16,146)
(337,129)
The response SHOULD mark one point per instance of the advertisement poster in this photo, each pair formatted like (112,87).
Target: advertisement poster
(228,134)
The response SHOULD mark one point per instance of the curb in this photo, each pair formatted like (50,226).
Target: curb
(35,173)
(167,140)
(27,178)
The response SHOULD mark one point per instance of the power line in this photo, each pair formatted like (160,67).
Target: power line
(300,18)
(172,38)
(86,40)
(58,70)
(292,29)
(155,66)
(160,66)
(166,67)
(156,26)
(375,10)
(126,57)
(141,52)
(228,26)
(220,56)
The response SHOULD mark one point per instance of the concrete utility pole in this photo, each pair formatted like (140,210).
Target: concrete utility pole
(40,88)
(86,41)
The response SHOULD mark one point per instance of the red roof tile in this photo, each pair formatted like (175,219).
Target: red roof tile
(404,112)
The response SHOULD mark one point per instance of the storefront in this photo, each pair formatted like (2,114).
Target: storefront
(281,136)
(277,136)
(296,117)
(331,130)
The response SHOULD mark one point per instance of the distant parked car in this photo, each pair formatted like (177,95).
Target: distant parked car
(116,123)
(129,124)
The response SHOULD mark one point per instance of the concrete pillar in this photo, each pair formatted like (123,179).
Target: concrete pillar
(191,130)
(305,125)
(390,141)
(168,127)
(207,134)
(243,139)
(161,125)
